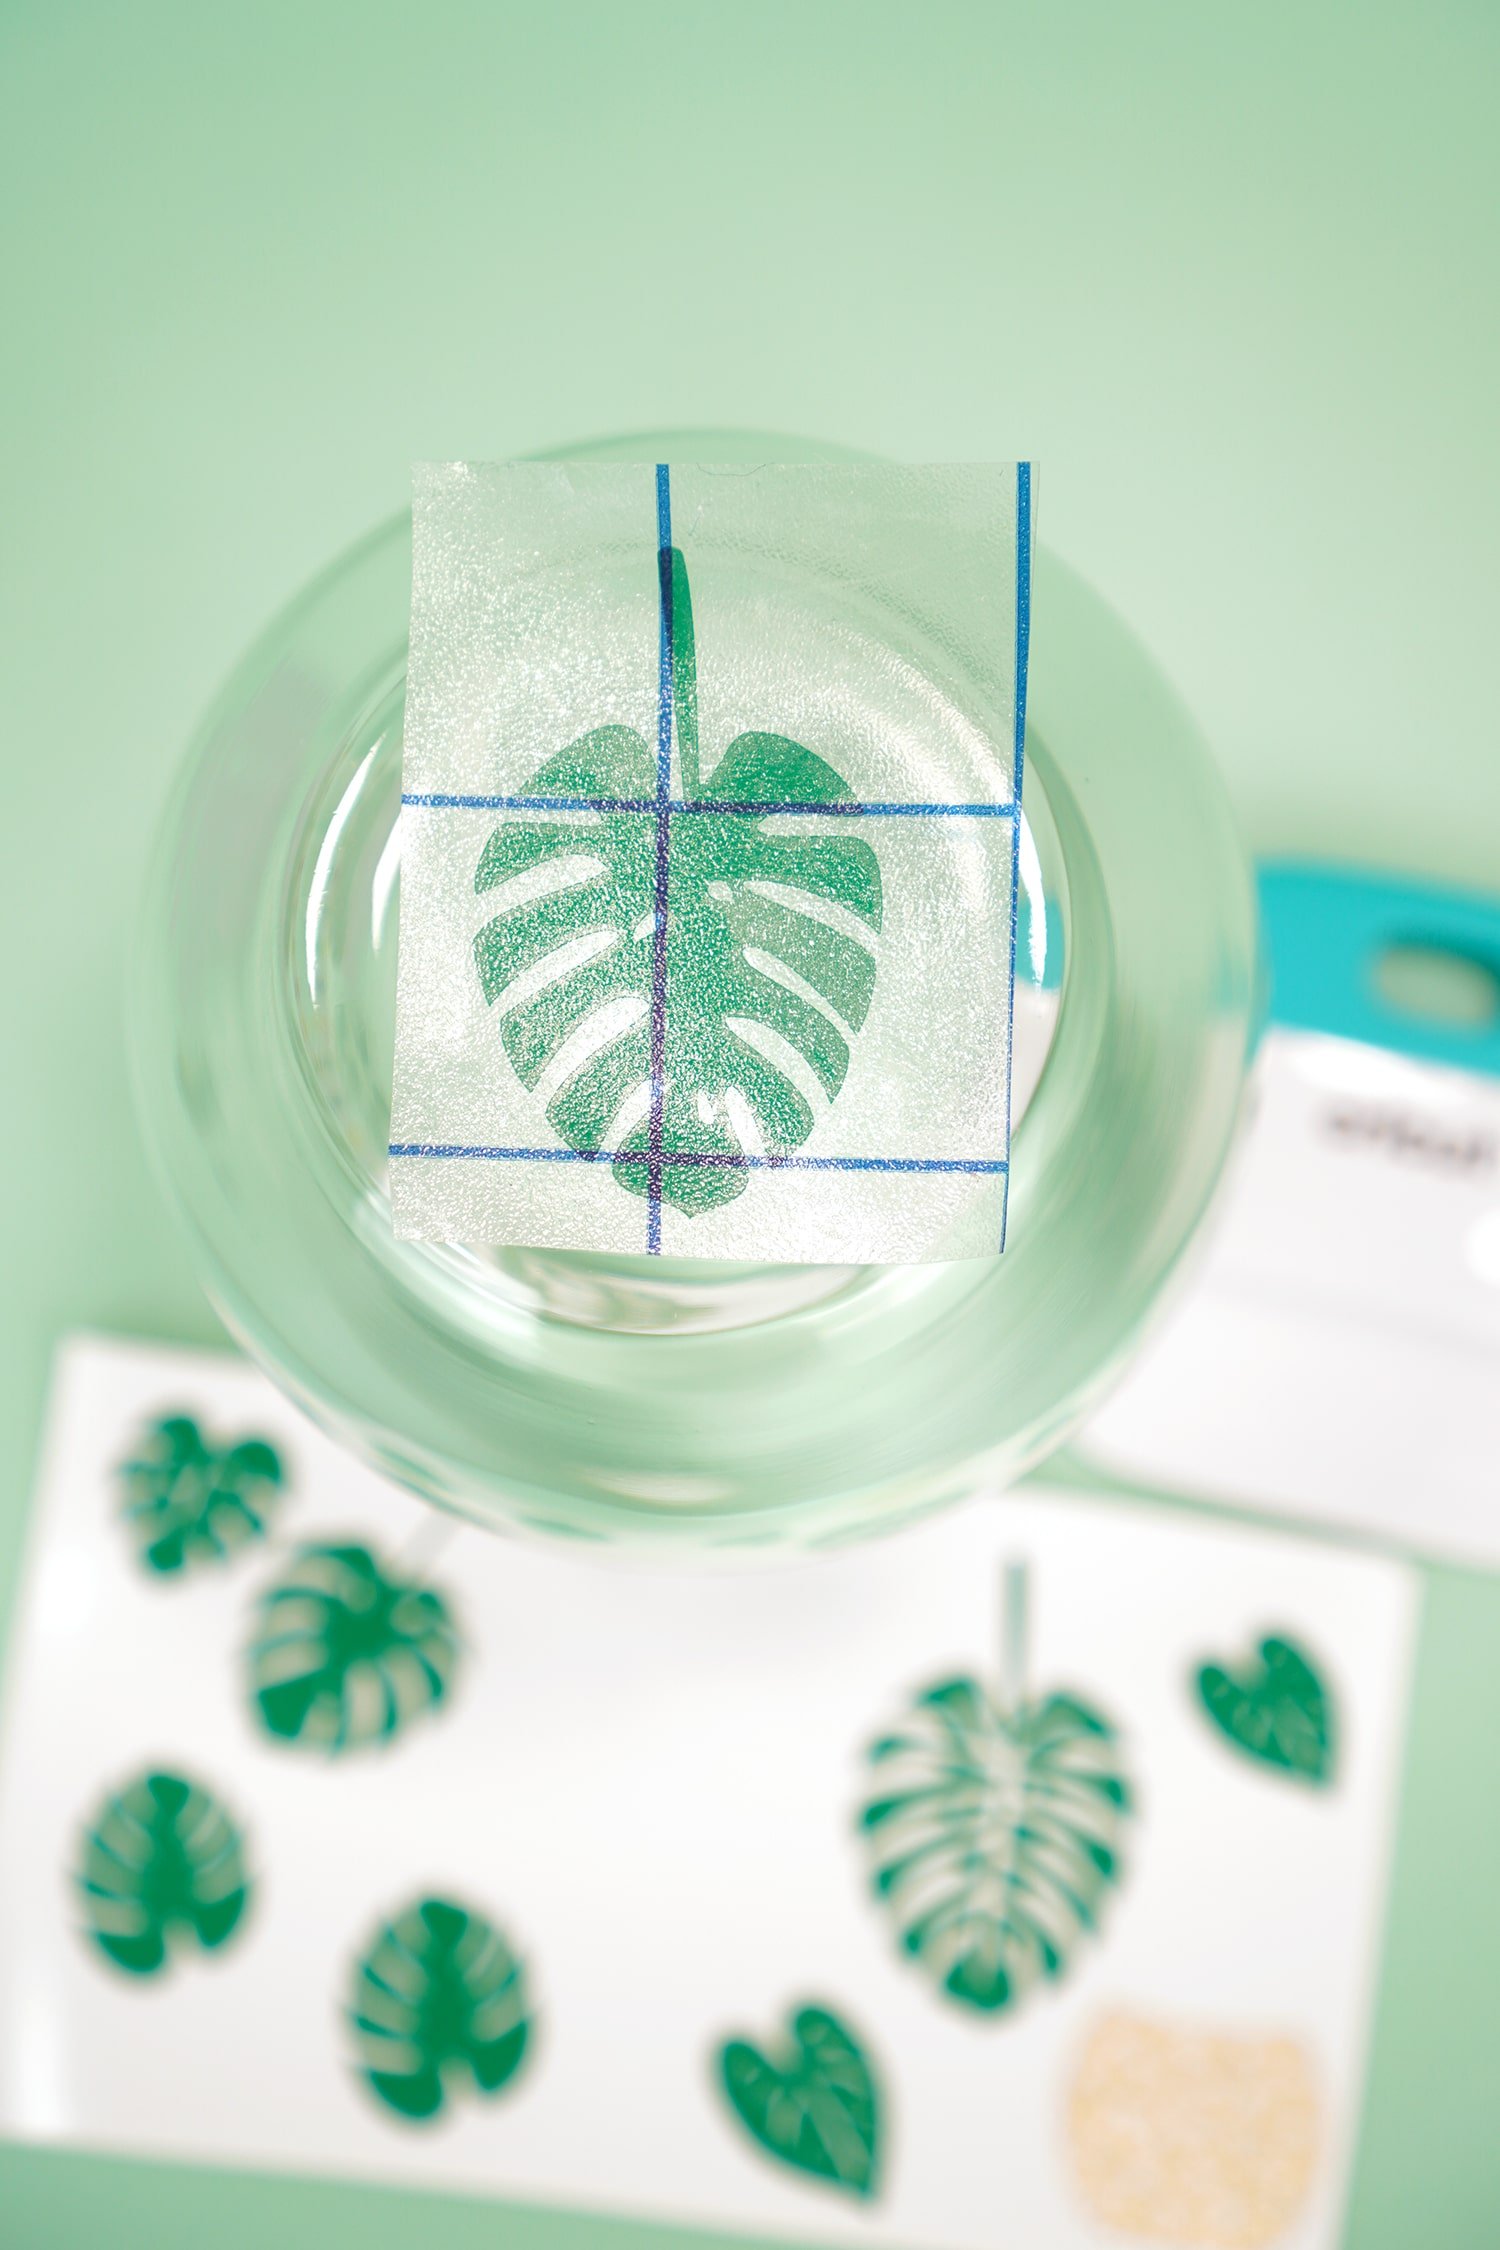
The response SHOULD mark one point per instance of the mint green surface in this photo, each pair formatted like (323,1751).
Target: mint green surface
(1225,273)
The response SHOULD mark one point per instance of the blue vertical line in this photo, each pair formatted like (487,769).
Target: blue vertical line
(664,646)
(1023,619)
(663,855)
(1018,771)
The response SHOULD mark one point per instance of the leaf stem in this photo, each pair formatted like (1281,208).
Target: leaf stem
(1014,1623)
(415,1557)
(684,675)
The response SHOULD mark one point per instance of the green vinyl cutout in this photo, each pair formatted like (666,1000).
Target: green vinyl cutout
(1275,1708)
(748,922)
(813,2103)
(162,1871)
(439,2007)
(190,1500)
(993,1836)
(347,1652)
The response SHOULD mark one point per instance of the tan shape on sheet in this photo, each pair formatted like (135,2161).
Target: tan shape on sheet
(1181,2135)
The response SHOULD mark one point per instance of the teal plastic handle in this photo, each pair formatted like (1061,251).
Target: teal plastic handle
(1326,929)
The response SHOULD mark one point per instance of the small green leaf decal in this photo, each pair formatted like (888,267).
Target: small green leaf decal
(813,2103)
(750,942)
(189,1499)
(1275,1708)
(994,1836)
(163,1868)
(348,1653)
(439,2003)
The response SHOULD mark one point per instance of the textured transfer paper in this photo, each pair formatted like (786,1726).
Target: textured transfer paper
(709,840)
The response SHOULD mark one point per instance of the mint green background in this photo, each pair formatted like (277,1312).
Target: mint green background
(1227,273)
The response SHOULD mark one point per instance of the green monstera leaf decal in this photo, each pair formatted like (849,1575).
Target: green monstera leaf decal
(347,1653)
(813,2103)
(753,946)
(1276,1709)
(189,1500)
(163,1868)
(439,2003)
(994,1835)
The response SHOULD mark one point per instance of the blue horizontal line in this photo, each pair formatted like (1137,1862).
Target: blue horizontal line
(842,809)
(756,809)
(525,1155)
(735,1161)
(437,802)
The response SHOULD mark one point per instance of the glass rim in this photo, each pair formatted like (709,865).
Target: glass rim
(525,1457)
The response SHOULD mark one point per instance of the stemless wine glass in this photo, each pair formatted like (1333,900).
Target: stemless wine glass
(636,1399)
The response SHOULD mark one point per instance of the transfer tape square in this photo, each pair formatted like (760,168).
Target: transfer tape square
(709,835)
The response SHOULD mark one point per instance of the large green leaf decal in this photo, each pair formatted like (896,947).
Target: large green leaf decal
(813,2103)
(994,1835)
(439,2002)
(1276,1708)
(753,939)
(163,1868)
(191,1500)
(346,1652)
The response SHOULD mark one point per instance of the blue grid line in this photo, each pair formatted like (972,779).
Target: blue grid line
(734,1161)
(1018,773)
(744,807)
(664,637)
(665,696)
(1023,620)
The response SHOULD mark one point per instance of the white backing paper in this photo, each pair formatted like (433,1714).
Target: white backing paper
(649,1779)
(1334,1353)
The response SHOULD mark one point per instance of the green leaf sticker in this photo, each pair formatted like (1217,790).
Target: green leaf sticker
(753,945)
(439,2004)
(994,1836)
(813,2103)
(189,1500)
(347,1653)
(163,1868)
(1275,1708)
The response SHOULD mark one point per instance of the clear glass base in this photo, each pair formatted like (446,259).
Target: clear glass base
(343,904)
(607,1397)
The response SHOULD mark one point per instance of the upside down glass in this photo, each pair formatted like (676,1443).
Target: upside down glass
(653,1400)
